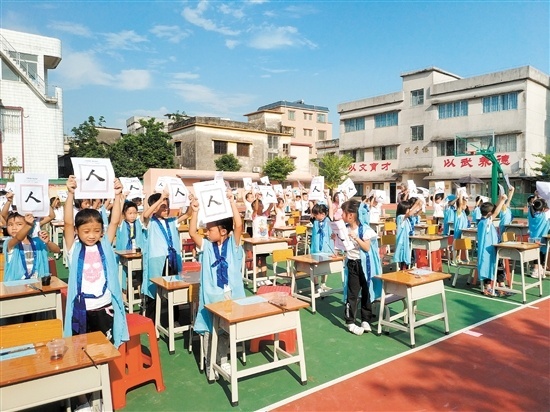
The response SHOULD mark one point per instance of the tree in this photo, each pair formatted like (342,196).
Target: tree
(133,155)
(335,169)
(227,163)
(543,167)
(11,166)
(84,141)
(279,168)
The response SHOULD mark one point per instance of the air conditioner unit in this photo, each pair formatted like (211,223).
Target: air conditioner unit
(256,169)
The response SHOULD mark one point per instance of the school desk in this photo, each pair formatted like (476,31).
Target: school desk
(176,290)
(35,380)
(316,264)
(414,287)
(430,243)
(284,231)
(547,237)
(524,253)
(260,246)
(132,260)
(57,227)
(248,321)
(521,230)
(19,298)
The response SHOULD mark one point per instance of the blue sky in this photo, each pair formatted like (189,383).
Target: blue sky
(227,58)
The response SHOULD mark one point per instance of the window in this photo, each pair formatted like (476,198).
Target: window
(385,119)
(352,125)
(385,152)
(500,102)
(271,156)
(506,143)
(417,133)
(454,109)
(220,147)
(28,63)
(417,97)
(352,153)
(308,116)
(286,149)
(273,142)
(321,118)
(177,147)
(10,122)
(308,132)
(243,149)
(446,148)
(8,73)
(291,115)
(322,135)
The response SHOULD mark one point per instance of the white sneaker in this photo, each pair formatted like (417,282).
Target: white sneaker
(268,282)
(366,326)
(325,287)
(356,330)
(535,273)
(320,290)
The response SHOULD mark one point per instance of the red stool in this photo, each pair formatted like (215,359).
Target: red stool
(134,367)
(422,259)
(287,338)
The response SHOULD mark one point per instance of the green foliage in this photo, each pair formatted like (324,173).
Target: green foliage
(279,168)
(543,168)
(133,155)
(335,169)
(227,163)
(11,166)
(84,142)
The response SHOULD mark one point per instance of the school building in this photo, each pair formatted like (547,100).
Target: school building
(410,134)
(31,111)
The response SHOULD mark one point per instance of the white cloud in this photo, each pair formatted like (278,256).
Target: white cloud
(271,37)
(277,71)
(82,69)
(231,44)
(124,40)
(226,9)
(219,102)
(186,76)
(195,17)
(70,27)
(172,33)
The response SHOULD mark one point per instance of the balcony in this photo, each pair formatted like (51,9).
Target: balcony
(327,144)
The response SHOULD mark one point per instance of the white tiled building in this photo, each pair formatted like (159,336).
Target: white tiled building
(410,134)
(31,113)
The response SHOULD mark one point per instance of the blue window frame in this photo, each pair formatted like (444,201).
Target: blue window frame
(500,102)
(352,125)
(385,119)
(453,109)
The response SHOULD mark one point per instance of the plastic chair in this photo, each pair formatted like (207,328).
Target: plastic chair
(134,367)
(187,250)
(287,338)
(390,227)
(459,246)
(389,242)
(432,230)
(302,239)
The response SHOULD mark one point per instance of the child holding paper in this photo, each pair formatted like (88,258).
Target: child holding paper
(404,211)
(130,234)
(260,229)
(505,214)
(221,277)
(539,225)
(461,222)
(360,266)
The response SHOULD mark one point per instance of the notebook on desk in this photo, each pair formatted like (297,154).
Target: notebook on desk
(321,257)
(421,272)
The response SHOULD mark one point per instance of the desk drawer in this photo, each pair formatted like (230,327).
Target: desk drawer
(28,304)
(266,326)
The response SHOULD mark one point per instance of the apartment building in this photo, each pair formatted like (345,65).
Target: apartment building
(411,134)
(31,112)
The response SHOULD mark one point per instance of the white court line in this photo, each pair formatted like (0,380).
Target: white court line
(390,359)
(493,299)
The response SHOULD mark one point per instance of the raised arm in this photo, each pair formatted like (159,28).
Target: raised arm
(23,232)
(193,224)
(68,217)
(6,207)
(510,195)
(116,212)
(500,203)
(153,208)
(237,221)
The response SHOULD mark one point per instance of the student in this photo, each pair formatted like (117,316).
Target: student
(129,234)
(336,209)
(279,214)
(57,207)
(476,213)
(404,211)
(438,208)
(163,251)
(539,226)
(460,223)
(260,229)
(359,269)
(26,256)
(376,209)
(364,210)
(94,300)
(321,233)
(487,238)
(449,215)
(221,276)
(505,214)
(38,222)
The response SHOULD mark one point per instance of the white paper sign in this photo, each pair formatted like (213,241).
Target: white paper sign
(218,175)
(501,190)
(268,195)
(278,189)
(94,178)
(179,195)
(247,182)
(422,190)
(162,182)
(380,196)
(213,201)
(62,195)
(31,192)
(132,186)
(10,187)
(342,240)
(411,186)
(543,189)
(439,187)
(507,180)
(461,192)
(264,180)
(348,188)
(317,188)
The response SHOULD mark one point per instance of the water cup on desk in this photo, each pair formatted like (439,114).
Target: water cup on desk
(280,298)
(46,279)
(56,348)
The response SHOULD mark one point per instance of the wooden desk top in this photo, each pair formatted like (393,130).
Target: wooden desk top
(406,278)
(129,254)
(285,228)
(521,246)
(14,291)
(187,279)
(427,237)
(316,258)
(263,241)
(57,223)
(520,225)
(39,365)
(234,313)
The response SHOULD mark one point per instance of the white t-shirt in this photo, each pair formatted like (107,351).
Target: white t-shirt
(438,210)
(368,234)
(260,227)
(375,212)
